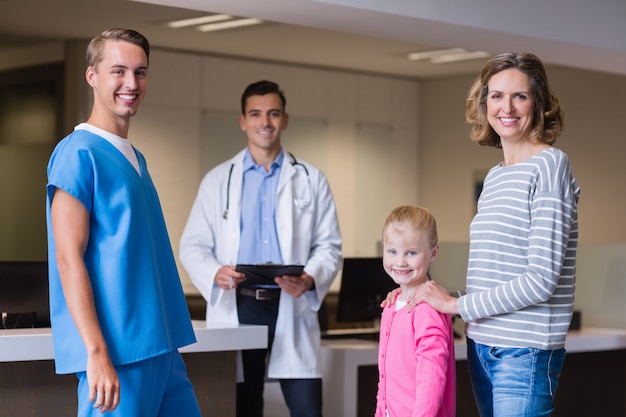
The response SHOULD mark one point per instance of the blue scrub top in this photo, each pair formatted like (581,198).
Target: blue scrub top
(137,291)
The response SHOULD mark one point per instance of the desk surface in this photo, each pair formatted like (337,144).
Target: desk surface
(599,356)
(36,344)
(586,340)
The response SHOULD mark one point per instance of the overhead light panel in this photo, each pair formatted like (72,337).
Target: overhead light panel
(418,56)
(214,22)
(442,56)
(230,24)
(198,21)
(461,56)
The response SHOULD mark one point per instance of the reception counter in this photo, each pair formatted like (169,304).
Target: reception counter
(593,381)
(30,387)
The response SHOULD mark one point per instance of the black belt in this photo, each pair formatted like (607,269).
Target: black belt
(262,294)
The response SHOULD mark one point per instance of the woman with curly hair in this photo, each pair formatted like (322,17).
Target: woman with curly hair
(521,273)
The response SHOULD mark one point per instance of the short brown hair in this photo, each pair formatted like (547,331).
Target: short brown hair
(261,88)
(96,46)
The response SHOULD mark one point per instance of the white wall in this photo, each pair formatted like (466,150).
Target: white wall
(368,150)
(596,145)
(600,283)
(593,138)
(426,158)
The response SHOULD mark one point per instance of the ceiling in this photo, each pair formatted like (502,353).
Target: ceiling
(326,33)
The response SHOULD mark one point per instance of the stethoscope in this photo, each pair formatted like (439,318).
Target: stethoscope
(301,203)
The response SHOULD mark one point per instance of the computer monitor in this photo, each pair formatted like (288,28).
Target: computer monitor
(364,284)
(24,299)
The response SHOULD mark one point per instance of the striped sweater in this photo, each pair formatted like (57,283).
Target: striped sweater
(522,257)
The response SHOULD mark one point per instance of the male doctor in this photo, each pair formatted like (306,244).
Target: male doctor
(264,205)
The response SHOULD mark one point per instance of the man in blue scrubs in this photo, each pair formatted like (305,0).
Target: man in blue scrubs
(118,311)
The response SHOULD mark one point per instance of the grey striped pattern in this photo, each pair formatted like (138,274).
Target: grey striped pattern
(522,261)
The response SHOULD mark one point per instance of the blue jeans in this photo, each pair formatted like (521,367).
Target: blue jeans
(514,382)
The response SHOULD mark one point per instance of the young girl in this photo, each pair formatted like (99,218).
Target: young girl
(416,364)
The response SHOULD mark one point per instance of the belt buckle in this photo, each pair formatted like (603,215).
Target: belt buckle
(263,294)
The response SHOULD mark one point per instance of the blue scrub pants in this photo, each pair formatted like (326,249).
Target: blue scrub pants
(302,396)
(155,387)
(514,382)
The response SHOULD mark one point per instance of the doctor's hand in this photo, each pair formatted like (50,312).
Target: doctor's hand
(294,285)
(228,278)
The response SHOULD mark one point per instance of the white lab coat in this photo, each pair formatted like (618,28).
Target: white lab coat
(308,236)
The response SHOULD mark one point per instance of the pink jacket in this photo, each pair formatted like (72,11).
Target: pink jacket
(416,364)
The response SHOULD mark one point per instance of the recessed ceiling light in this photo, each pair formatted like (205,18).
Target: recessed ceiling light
(229,24)
(442,56)
(418,56)
(199,21)
(461,56)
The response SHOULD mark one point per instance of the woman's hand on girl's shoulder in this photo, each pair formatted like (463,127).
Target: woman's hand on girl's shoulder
(434,294)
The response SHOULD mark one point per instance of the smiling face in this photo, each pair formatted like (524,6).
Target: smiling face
(263,121)
(119,82)
(407,255)
(510,105)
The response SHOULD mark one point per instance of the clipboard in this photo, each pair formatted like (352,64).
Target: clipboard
(267,272)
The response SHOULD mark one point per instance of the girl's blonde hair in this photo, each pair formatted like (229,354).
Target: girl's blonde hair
(418,218)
